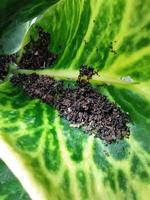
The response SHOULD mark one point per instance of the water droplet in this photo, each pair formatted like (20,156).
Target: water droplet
(127,78)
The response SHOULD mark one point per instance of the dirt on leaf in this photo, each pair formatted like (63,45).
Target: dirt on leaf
(36,53)
(83,106)
(5,60)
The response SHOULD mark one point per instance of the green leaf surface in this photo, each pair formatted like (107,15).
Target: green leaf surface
(10,188)
(61,162)
(14,21)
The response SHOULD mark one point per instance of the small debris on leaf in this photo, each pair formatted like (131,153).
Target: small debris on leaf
(5,60)
(86,73)
(112,48)
(37,55)
(83,106)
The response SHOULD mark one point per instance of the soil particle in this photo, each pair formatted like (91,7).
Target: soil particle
(97,115)
(42,87)
(4,62)
(86,73)
(37,55)
(82,106)
(112,48)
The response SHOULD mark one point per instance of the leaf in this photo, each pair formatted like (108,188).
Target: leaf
(60,162)
(14,21)
(10,41)
(10,188)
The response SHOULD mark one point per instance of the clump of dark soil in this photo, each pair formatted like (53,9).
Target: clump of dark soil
(82,106)
(87,108)
(86,73)
(37,55)
(4,62)
(42,87)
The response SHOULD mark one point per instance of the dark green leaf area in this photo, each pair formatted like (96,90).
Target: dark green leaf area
(9,129)
(10,187)
(82,184)
(10,116)
(20,101)
(138,169)
(133,45)
(119,150)
(29,142)
(65,186)
(75,141)
(122,180)
(132,103)
(13,97)
(51,113)
(109,180)
(102,163)
(14,21)
(33,115)
(99,157)
(21,11)
(52,154)
(133,195)
(39,174)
